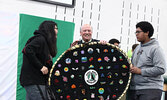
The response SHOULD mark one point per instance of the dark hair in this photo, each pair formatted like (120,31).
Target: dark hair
(134,46)
(47,28)
(146,27)
(112,41)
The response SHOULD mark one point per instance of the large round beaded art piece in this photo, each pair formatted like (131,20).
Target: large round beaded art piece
(92,71)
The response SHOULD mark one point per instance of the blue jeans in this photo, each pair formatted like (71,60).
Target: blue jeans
(33,93)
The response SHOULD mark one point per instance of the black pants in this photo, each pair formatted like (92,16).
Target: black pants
(146,94)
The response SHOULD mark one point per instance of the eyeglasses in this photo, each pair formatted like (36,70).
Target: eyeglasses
(138,32)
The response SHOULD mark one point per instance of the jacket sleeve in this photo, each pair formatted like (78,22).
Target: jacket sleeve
(32,49)
(159,64)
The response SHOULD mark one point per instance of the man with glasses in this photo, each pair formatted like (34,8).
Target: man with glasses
(148,66)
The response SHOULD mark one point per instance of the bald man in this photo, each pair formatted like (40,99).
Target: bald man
(86,34)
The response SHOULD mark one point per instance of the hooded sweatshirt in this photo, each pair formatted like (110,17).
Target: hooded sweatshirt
(150,59)
(35,55)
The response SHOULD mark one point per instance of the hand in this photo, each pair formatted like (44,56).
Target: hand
(134,69)
(103,42)
(131,66)
(74,43)
(44,70)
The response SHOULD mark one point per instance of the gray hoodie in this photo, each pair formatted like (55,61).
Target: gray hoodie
(150,59)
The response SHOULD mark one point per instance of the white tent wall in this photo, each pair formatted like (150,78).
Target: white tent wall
(109,18)
(9,29)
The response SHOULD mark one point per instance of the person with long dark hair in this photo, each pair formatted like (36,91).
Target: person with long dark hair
(37,60)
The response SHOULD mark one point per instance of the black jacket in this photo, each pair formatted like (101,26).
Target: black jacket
(35,56)
(93,40)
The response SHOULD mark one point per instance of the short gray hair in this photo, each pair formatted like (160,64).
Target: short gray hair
(85,25)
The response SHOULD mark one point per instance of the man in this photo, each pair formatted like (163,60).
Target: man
(114,42)
(86,33)
(148,66)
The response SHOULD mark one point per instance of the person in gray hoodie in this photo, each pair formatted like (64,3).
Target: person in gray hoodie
(148,65)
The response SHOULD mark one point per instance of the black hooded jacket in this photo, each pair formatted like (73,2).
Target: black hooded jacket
(35,55)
